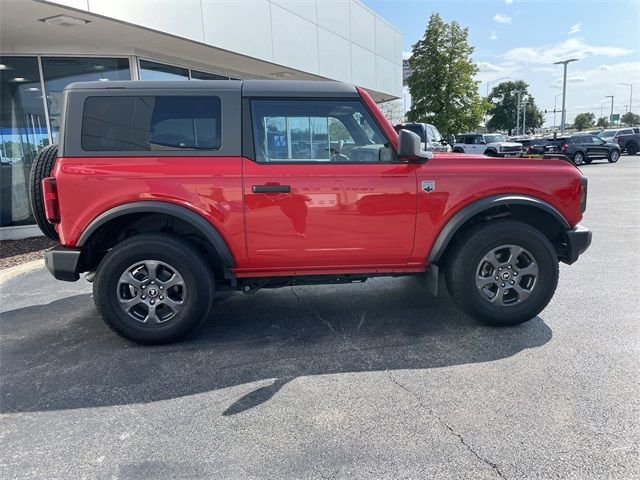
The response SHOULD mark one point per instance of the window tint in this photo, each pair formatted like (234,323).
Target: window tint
(469,139)
(159,71)
(338,131)
(148,123)
(59,72)
(596,140)
(196,75)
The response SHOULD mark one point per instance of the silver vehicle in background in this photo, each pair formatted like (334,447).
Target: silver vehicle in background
(431,138)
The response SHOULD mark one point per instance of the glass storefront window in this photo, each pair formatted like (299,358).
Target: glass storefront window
(23,131)
(196,75)
(158,71)
(59,72)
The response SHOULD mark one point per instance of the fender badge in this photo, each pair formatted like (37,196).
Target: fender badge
(428,185)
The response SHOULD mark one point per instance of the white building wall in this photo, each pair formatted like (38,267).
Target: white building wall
(337,39)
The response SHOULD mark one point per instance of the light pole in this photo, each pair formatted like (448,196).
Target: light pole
(555,102)
(630,85)
(564,89)
(611,97)
(524,114)
(518,113)
(491,82)
(601,112)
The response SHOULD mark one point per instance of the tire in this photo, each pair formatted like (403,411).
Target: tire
(458,150)
(632,148)
(614,156)
(41,169)
(578,159)
(467,262)
(491,153)
(588,161)
(178,312)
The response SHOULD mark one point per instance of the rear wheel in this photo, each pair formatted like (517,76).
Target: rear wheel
(578,158)
(632,148)
(153,288)
(41,169)
(503,272)
(614,156)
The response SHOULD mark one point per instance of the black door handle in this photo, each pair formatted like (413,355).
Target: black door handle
(271,189)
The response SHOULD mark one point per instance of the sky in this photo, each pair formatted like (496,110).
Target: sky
(521,39)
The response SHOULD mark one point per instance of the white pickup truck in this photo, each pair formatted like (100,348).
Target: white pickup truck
(490,144)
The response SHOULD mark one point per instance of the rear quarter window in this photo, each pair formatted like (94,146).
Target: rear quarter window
(151,123)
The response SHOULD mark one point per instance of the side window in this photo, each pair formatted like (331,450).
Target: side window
(596,140)
(151,123)
(469,139)
(477,139)
(322,131)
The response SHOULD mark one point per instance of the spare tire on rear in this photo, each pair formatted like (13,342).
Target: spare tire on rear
(41,168)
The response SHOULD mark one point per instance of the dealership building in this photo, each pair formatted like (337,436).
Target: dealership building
(46,45)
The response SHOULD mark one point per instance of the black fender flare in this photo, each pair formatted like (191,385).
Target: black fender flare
(183,213)
(461,217)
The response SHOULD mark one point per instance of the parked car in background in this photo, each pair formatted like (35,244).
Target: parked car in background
(583,149)
(629,142)
(540,146)
(430,136)
(612,134)
(490,144)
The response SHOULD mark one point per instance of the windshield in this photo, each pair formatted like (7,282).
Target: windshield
(494,138)
(607,133)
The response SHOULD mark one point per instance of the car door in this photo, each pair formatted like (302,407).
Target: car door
(599,147)
(324,189)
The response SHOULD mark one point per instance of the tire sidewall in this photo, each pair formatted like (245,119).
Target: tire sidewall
(578,158)
(478,245)
(179,255)
(614,156)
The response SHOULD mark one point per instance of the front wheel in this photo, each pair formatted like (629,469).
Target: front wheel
(502,272)
(614,156)
(153,288)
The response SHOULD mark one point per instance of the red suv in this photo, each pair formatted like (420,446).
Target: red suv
(167,191)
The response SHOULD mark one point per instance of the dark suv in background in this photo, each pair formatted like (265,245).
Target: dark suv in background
(581,149)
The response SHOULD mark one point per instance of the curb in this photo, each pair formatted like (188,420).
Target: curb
(11,272)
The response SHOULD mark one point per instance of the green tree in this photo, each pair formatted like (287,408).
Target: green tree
(443,90)
(504,101)
(602,122)
(584,121)
(630,119)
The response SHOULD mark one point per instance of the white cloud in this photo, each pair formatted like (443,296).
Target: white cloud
(489,67)
(573,79)
(508,2)
(603,68)
(574,29)
(493,36)
(501,18)
(406,55)
(572,48)
(545,69)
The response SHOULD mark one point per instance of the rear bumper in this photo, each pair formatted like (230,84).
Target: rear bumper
(578,240)
(63,263)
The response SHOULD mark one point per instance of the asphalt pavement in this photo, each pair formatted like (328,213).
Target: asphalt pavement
(378,380)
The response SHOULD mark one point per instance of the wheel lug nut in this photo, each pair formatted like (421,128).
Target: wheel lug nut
(143,287)
(497,278)
(515,274)
(512,282)
(161,297)
(502,284)
(509,266)
(499,268)
(143,297)
(152,302)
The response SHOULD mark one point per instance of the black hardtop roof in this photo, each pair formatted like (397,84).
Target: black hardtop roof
(249,88)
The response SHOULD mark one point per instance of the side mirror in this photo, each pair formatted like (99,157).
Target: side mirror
(409,148)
